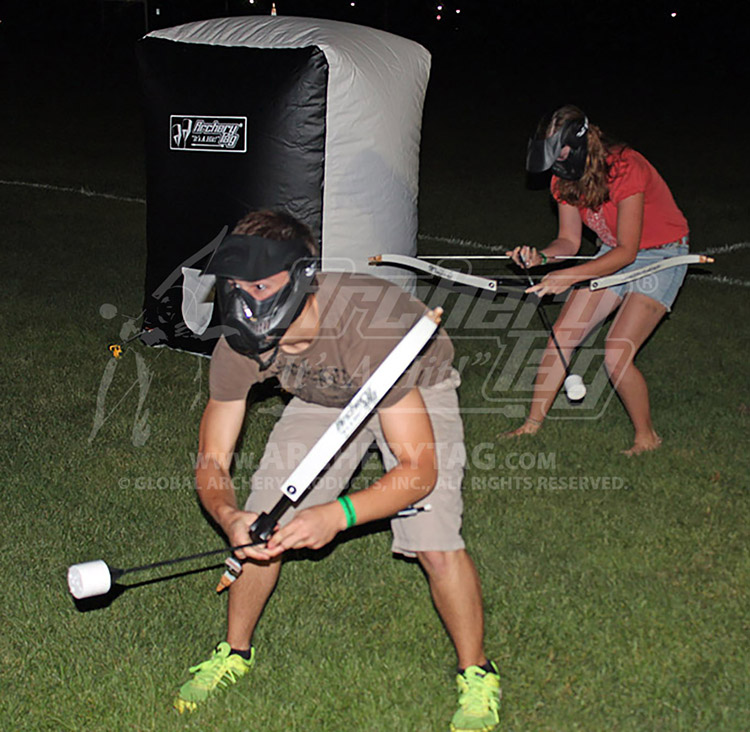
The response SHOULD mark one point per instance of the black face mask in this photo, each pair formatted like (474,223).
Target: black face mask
(252,327)
(574,166)
(543,152)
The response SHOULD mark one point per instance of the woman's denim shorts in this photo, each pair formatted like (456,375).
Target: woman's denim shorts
(662,286)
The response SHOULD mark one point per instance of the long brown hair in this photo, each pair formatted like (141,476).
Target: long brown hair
(592,189)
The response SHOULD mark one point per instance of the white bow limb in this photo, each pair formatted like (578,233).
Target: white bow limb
(621,278)
(361,405)
(484,283)
(444,257)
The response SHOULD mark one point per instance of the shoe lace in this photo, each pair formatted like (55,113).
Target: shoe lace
(212,672)
(475,696)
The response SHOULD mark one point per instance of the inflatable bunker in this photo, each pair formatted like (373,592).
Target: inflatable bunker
(316,117)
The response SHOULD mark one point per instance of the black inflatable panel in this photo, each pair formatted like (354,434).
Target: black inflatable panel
(228,129)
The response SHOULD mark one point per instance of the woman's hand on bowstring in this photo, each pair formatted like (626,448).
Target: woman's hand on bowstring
(526,254)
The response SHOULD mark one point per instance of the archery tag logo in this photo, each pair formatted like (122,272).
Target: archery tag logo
(193,133)
(501,339)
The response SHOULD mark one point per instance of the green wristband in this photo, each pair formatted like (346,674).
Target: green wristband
(351,516)
(544,257)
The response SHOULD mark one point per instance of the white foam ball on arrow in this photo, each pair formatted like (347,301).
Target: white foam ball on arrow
(89,579)
(575,388)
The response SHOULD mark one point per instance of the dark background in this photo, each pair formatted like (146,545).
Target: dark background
(583,36)
(674,87)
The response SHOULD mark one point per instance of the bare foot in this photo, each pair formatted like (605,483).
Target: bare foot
(641,446)
(529,427)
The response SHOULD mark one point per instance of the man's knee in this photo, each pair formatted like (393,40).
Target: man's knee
(440,564)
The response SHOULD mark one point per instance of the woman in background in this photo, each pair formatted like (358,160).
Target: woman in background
(617,193)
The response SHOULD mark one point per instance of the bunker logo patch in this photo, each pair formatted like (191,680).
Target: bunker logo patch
(195,133)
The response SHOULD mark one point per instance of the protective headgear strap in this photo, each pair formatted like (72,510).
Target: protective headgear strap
(252,258)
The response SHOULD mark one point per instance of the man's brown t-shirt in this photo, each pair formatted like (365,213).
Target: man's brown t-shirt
(362,318)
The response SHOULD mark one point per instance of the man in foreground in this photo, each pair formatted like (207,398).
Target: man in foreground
(321,336)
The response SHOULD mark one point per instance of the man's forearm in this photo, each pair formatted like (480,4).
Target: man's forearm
(215,491)
(398,488)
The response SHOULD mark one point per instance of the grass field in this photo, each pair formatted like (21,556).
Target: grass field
(616,590)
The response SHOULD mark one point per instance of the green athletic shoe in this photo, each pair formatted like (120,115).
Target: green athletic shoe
(478,700)
(221,670)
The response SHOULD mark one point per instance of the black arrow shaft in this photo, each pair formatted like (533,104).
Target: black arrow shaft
(259,532)
(545,320)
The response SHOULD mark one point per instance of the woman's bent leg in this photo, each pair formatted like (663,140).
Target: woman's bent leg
(582,312)
(635,322)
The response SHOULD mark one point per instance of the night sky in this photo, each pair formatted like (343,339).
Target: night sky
(678,57)
(689,32)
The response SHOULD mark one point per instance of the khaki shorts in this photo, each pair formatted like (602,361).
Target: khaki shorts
(302,423)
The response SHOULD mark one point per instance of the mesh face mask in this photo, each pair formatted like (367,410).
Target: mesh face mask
(543,152)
